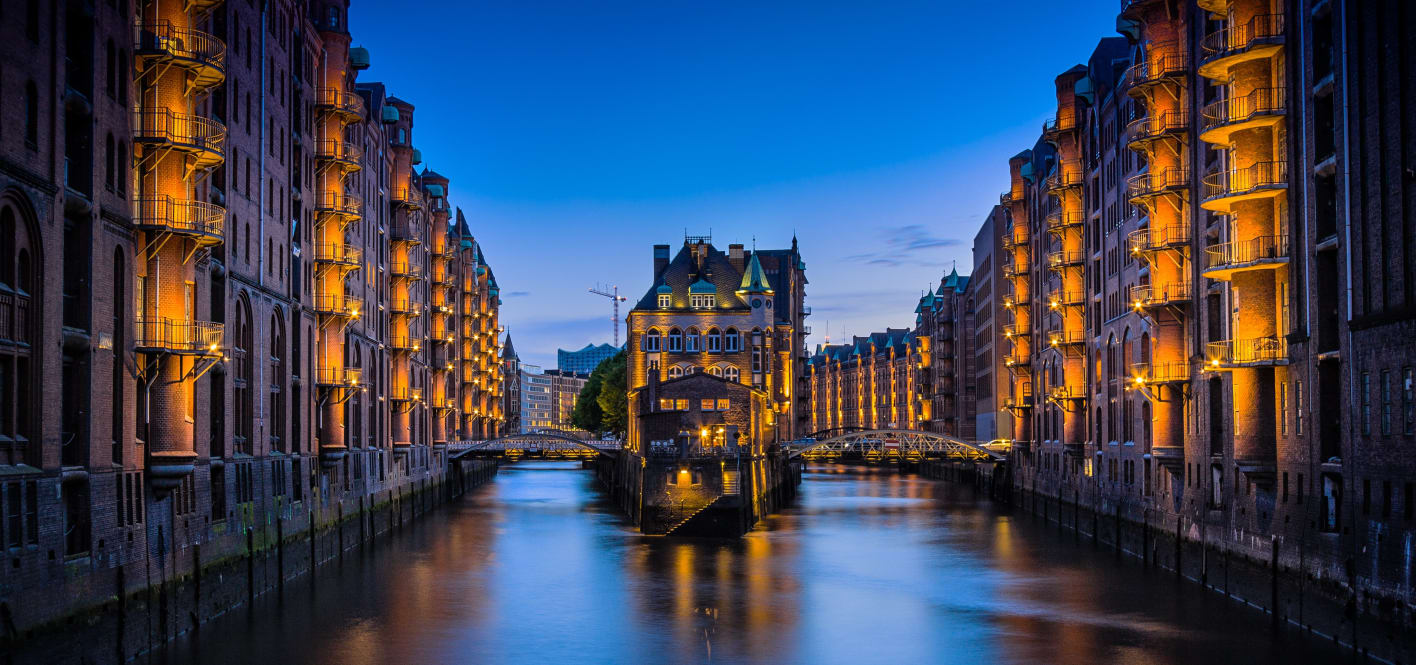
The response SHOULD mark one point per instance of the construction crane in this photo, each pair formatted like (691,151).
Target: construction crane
(613,293)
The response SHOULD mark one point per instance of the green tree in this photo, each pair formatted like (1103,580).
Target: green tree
(587,414)
(614,397)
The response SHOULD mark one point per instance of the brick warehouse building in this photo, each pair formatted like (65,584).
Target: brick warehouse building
(738,315)
(921,378)
(1210,293)
(228,300)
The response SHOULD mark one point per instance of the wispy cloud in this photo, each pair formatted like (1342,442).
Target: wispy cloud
(904,245)
(517,294)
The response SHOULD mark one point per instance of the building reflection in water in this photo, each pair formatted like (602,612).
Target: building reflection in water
(869,566)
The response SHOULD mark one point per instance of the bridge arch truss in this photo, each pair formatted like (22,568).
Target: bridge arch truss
(895,444)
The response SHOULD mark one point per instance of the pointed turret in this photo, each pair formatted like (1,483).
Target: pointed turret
(754,279)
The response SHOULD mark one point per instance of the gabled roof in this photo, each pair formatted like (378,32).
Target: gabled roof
(684,270)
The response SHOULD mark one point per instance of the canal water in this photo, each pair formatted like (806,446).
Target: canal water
(867,567)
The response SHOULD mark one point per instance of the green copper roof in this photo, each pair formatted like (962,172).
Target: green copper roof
(664,289)
(481,270)
(418,157)
(702,286)
(359,57)
(754,280)
(390,114)
(435,190)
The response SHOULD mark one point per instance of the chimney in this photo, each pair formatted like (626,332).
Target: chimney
(735,257)
(661,260)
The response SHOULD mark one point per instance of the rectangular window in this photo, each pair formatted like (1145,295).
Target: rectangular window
(1386,402)
(1366,389)
(715,343)
(1408,401)
(664,299)
(1298,408)
(681,404)
(666,404)
(706,404)
(1283,409)
(723,404)
(731,341)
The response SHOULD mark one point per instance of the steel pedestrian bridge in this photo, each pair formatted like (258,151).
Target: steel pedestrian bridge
(893,445)
(546,444)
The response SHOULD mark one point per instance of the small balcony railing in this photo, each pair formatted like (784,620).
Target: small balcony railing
(348,105)
(1059,221)
(347,307)
(1054,127)
(1067,175)
(1058,338)
(347,377)
(1173,372)
(1064,259)
(179,336)
(405,307)
(407,270)
(201,53)
(1254,180)
(1159,295)
(340,254)
(405,343)
(1016,236)
(1227,45)
(344,154)
(1173,180)
(199,220)
(203,138)
(1145,129)
(1017,266)
(1062,298)
(1063,393)
(1260,105)
(1156,239)
(405,394)
(407,231)
(407,197)
(1246,352)
(1018,402)
(347,206)
(1231,256)
(1017,329)
(1164,62)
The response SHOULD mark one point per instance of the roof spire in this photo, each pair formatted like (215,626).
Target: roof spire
(754,279)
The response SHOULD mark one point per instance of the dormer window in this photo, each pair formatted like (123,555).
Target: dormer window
(702,301)
(664,299)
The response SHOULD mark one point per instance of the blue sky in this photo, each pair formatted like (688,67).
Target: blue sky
(579,134)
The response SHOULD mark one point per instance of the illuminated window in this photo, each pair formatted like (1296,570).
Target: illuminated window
(715,370)
(731,373)
(706,404)
(664,299)
(722,404)
(666,404)
(681,404)
(702,301)
(676,371)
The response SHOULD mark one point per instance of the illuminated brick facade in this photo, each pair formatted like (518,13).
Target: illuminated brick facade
(1207,272)
(254,310)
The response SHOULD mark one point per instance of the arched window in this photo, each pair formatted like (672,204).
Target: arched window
(121,166)
(715,371)
(731,373)
(651,340)
(690,341)
(120,346)
(19,314)
(715,340)
(675,340)
(279,440)
(31,115)
(1145,356)
(1125,397)
(732,341)
(110,58)
(245,375)
(675,371)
